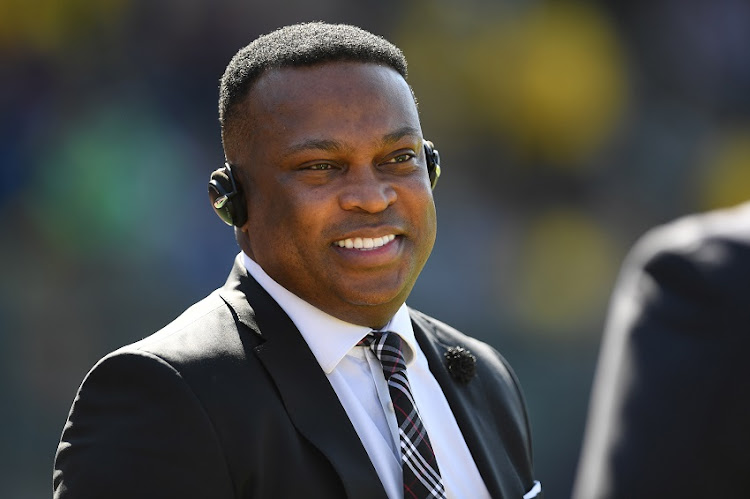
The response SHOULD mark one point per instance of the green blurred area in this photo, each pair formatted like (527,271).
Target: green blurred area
(566,129)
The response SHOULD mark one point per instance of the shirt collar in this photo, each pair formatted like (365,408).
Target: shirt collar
(329,338)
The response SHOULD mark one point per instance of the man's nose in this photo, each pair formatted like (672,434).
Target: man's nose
(366,190)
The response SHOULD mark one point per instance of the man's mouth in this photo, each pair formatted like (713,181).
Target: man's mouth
(365,243)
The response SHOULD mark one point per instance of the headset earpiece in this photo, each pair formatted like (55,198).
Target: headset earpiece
(433,162)
(226,197)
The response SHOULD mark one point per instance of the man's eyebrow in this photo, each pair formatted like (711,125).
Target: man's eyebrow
(315,144)
(400,134)
(330,145)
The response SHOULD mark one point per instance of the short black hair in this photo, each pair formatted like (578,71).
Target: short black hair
(304,44)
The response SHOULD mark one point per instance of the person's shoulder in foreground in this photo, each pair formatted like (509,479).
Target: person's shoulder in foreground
(328,185)
(671,397)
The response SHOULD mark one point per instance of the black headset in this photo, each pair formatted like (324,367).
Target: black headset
(228,200)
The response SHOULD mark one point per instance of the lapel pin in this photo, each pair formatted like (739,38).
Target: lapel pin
(461,364)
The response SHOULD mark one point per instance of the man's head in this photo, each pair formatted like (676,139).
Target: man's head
(300,45)
(323,133)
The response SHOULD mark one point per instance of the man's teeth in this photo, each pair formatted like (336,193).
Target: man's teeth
(365,243)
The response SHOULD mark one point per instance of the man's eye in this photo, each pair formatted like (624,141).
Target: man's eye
(401,158)
(319,167)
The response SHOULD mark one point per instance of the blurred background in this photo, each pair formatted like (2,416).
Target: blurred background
(566,130)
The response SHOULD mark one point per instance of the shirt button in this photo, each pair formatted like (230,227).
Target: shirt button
(390,407)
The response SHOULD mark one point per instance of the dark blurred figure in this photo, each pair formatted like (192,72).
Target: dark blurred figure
(671,399)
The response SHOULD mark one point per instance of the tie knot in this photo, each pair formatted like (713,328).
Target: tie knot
(387,348)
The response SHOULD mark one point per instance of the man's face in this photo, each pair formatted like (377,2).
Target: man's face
(340,210)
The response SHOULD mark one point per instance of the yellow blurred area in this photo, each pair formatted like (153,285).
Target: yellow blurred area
(565,272)
(50,25)
(550,80)
(726,172)
(564,83)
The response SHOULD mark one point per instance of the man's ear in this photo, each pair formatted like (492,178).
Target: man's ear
(227,197)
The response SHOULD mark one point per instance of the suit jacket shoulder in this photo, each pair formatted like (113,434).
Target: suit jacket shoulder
(696,268)
(139,428)
(209,407)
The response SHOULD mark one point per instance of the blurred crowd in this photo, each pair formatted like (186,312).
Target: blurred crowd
(566,129)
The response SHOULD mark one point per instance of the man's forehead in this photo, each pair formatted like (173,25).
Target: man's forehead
(336,78)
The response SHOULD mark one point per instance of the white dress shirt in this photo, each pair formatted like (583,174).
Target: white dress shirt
(356,376)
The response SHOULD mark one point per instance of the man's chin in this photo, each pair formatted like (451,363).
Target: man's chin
(371,306)
(371,295)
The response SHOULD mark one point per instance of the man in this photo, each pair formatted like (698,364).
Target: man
(289,381)
(671,401)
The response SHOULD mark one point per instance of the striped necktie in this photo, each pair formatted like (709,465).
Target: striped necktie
(421,474)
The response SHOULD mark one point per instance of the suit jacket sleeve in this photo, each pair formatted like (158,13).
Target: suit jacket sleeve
(671,399)
(137,430)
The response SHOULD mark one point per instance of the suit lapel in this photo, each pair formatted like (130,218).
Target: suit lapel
(473,415)
(311,402)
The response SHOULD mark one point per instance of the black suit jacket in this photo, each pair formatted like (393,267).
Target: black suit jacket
(670,411)
(229,402)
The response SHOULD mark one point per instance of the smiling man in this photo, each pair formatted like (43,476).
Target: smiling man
(306,375)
